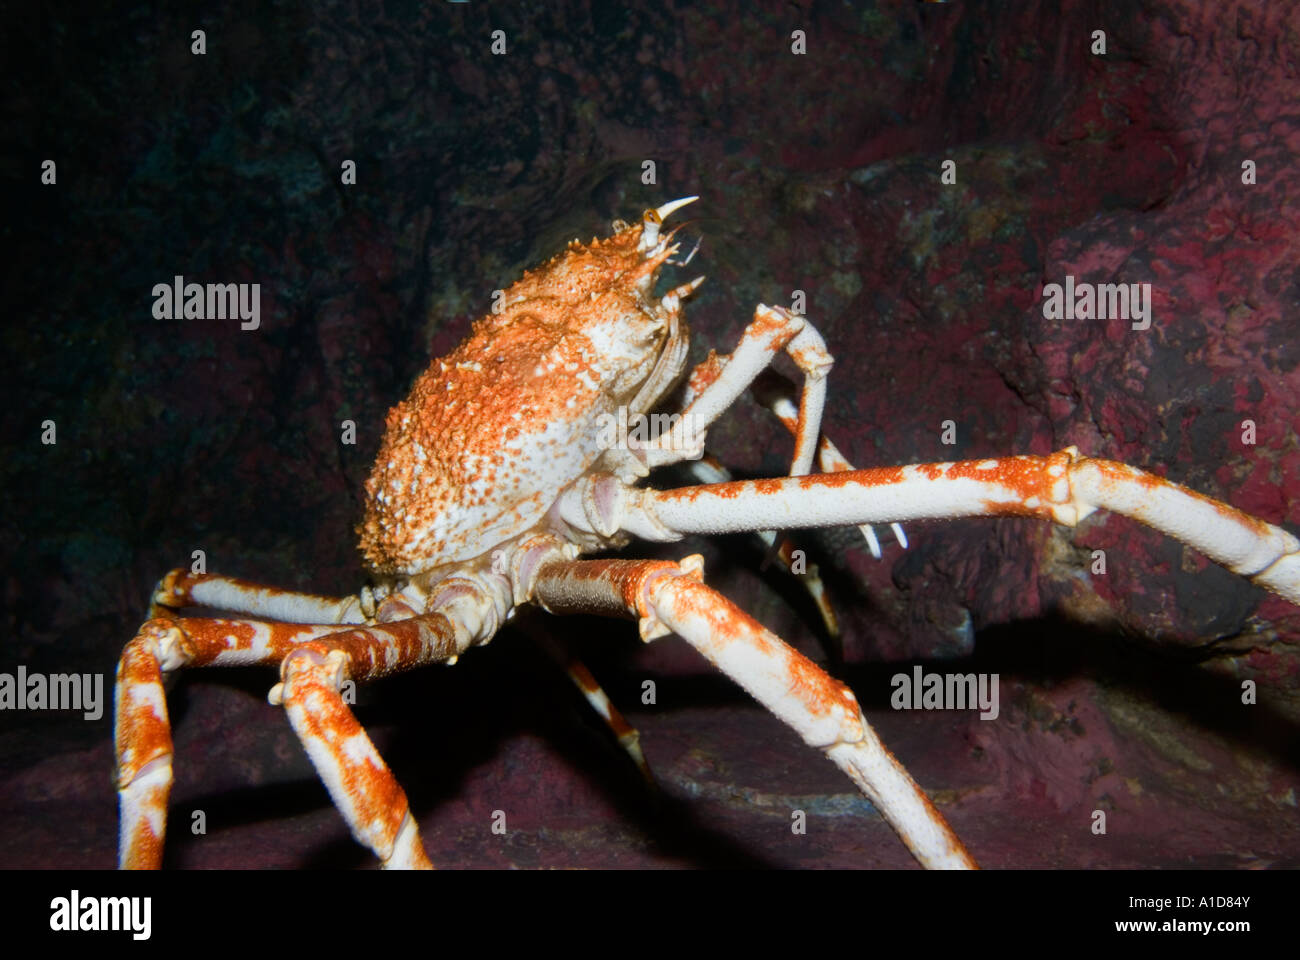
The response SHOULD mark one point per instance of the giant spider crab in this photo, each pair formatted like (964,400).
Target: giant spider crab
(495,476)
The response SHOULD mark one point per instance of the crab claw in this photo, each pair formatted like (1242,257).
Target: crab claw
(653,219)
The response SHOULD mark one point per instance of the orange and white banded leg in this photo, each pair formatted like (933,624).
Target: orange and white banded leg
(1064,487)
(708,470)
(181,588)
(143,744)
(773,391)
(667,597)
(629,738)
(464,611)
(142,729)
(363,788)
(716,383)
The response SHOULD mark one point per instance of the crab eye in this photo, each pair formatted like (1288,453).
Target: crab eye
(652,216)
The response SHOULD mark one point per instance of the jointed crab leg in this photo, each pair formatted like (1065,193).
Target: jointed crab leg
(363,788)
(716,383)
(629,738)
(180,588)
(772,390)
(1064,487)
(709,470)
(463,611)
(143,744)
(142,731)
(667,597)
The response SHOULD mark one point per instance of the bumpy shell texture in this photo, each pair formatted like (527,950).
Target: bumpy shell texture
(491,433)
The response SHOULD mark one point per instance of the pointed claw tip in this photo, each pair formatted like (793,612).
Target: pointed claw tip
(652,219)
(668,208)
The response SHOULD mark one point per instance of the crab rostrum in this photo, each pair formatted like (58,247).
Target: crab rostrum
(496,475)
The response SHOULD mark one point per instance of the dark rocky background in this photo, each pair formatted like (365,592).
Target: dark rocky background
(817,172)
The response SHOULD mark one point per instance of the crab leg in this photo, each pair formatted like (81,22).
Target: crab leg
(709,470)
(803,421)
(143,744)
(180,588)
(771,389)
(1064,487)
(463,611)
(142,730)
(718,382)
(629,738)
(666,597)
(363,788)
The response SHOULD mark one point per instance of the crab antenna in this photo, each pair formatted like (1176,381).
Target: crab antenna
(652,220)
